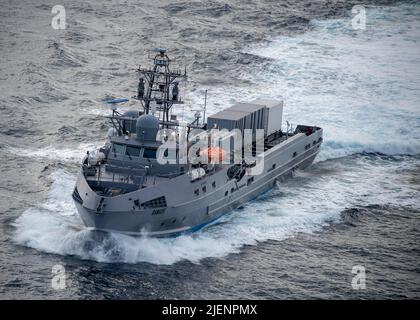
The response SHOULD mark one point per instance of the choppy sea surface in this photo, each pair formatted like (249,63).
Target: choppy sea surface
(358,204)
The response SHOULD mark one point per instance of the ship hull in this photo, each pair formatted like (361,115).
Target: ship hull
(186,212)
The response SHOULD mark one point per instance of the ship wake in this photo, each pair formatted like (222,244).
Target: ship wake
(308,203)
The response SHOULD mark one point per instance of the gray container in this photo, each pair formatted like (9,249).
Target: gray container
(273,114)
(240,116)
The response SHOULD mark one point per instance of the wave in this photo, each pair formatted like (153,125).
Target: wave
(63,57)
(310,202)
(338,149)
(54,226)
(72,155)
(358,85)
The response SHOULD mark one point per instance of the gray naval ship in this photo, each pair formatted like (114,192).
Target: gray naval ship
(125,187)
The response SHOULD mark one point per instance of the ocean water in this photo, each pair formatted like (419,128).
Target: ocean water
(358,204)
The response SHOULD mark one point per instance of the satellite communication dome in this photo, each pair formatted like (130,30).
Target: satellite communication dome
(147,127)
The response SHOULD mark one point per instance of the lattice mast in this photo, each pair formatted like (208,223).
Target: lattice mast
(160,85)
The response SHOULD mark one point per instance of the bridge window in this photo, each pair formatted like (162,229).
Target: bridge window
(118,148)
(214,184)
(204,189)
(226,193)
(149,153)
(132,151)
(196,192)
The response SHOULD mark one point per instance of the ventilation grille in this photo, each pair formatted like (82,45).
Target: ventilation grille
(155,203)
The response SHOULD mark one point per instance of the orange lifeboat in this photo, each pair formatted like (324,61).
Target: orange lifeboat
(215,154)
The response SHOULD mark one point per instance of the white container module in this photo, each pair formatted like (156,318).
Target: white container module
(273,114)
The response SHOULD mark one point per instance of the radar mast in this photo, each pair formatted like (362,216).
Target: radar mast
(160,85)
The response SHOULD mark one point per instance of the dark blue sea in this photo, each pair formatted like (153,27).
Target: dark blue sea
(358,205)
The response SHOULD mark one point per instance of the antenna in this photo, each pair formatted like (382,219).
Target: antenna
(205,106)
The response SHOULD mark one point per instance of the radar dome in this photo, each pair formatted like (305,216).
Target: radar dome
(147,127)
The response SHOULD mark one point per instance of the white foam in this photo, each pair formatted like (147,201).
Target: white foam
(307,203)
(54,226)
(73,155)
